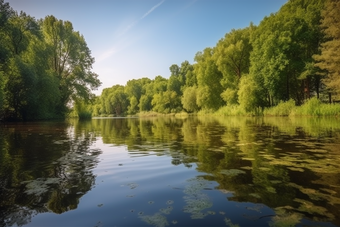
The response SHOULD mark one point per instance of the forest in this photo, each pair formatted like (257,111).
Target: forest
(290,59)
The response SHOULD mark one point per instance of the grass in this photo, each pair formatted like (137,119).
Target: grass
(234,110)
(149,114)
(313,107)
(282,109)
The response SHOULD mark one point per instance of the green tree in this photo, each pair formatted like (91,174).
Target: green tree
(249,94)
(133,89)
(133,107)
(232,59)
(118,100)
(28,88)
(70,59)
(5,13)
(145,103)
(114,100)
(185,71)
(283,45)
(166,102)
(189,99)
(329,58)
(208,79)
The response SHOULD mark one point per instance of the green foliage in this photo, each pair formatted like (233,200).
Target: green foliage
(269,65)
(145,103)
(249,94)
(282,45)
(230,96)
(114,100)
(189,99)
(329,58)
(70,59)
(43,65)
(314,107)
(166,102)
(232,59)
(208,80)
(81,110)
(231,110)
(133,107)
(282,109)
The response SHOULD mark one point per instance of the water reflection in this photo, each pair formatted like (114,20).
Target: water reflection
(289,164)
(43,167)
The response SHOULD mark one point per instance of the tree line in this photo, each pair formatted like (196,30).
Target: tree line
(45,66)
(291,55)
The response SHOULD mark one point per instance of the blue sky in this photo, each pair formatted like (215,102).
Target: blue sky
(131,39)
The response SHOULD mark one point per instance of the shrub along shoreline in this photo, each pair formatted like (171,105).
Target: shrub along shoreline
(313,108)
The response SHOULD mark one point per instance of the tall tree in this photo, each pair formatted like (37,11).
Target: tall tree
(232,59)
(329,58)
(208,79)
(283,45)
(5,13)
(70,59)
(23,74)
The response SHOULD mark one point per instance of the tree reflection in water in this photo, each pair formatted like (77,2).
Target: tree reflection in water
(291,165)
(43,167)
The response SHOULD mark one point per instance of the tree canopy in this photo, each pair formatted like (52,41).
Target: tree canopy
(44,66)
(329,58)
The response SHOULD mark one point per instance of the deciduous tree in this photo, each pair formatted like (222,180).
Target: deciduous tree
(329,58)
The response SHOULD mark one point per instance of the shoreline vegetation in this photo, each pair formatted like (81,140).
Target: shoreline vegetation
(312,108)
(285,66)
(288,65)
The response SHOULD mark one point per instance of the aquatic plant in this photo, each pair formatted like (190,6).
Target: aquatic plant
(157,220)
(232,172)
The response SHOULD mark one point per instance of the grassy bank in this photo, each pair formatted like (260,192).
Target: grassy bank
(313,107)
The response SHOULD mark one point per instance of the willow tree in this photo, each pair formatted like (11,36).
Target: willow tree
(70,59)
(329,58)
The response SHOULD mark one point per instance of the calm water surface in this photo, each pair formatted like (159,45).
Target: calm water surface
(196,171)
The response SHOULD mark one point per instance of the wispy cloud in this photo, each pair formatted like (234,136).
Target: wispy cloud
(145,15)
(114,49)
(152,9)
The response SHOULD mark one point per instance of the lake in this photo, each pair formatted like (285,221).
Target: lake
(168,171)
